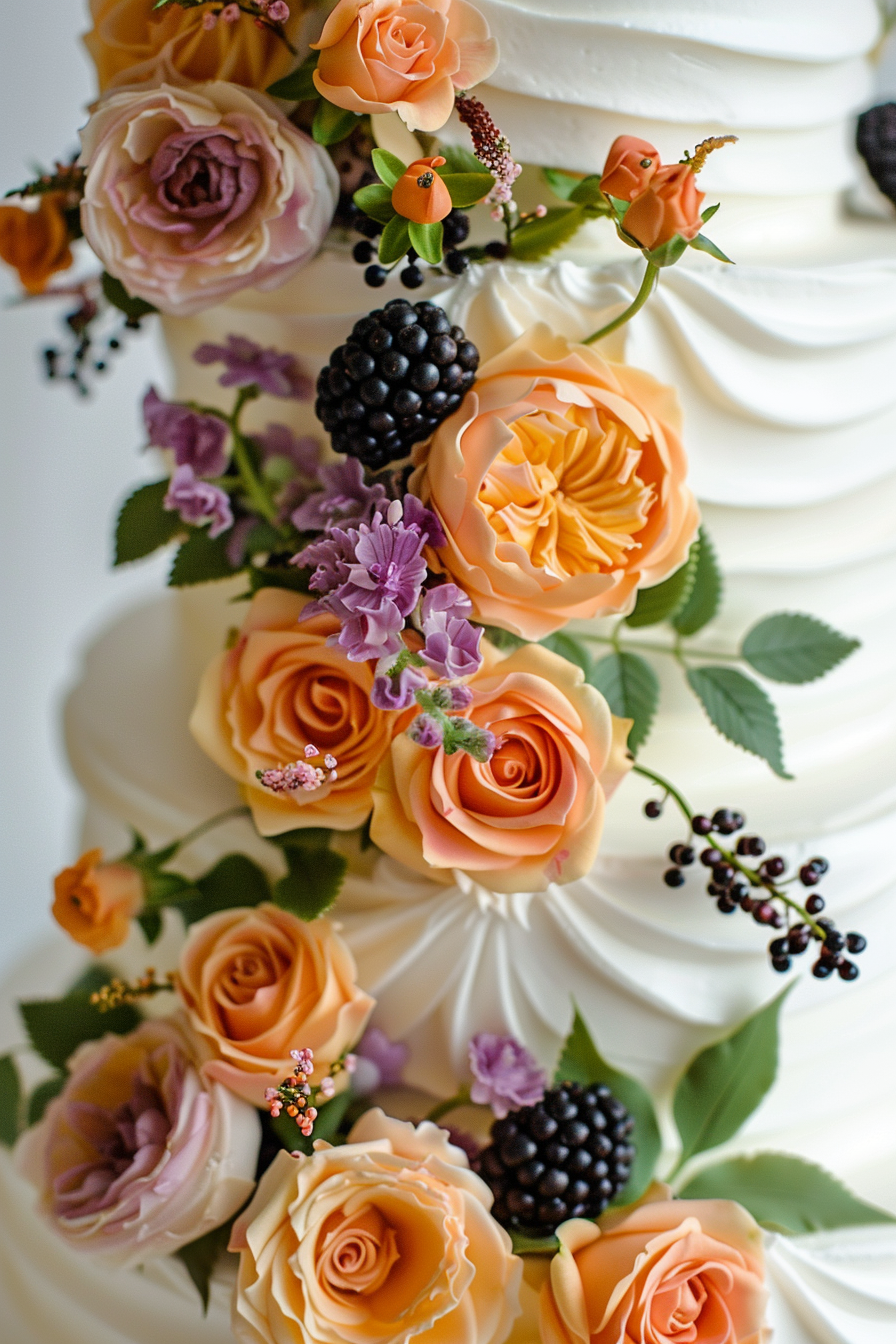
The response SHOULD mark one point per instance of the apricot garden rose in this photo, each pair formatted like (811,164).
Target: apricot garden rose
(406,56)
(95,902)
(386,1238)
(195,192)
(260,982)
(669,205)
(560,483)
(630,165)
(35,242)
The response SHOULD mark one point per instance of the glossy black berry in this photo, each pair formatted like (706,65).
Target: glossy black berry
(497,250)
(809,875)
(856,943)
(822,969)
(772,868)
(815,903)
(411,277)
(701,825)
(798,939)
(727,822)
(456,262)
(835,942)
(455,228)
(710,857)
(683,855)
(781,964)
(876,142)
(375,276)
(751,844)
(566,1157)
(726,905)
(653,809)
(848,970)
(820,865)
(673,877)
(363,252)
(723,873)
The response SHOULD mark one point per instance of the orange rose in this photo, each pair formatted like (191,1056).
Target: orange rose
(406,56)
(670,205)
(281,688)
(674,1271)
(420,194)
(384,1239)
(532,814)
(630,165)
(560,485)
(258,983)
(36,242)
(128,36)
(95,901)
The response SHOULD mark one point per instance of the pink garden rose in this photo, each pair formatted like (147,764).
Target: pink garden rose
(138,1154)
(193,193)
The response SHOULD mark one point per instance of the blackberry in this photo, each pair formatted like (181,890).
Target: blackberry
(455,228)
(403,369)
(566,1157)
(876,142)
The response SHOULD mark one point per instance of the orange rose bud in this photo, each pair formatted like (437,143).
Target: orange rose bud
(35,242)
(630,165)
(670,205)
(95,901)
(420,195)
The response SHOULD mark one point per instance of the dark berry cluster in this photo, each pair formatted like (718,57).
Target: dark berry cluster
(758,890)
(402,370)
(455,230)
(82,353)
(565,1157)
(876,142)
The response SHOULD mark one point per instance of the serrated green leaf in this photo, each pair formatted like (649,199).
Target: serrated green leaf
(723,1084)
(394,240)
(329,1118)
(540,237)
(144,524)
(581,1062)
(741,711)
(703,244)
(375,201)
(298,86)
(56,1027)
(561,184)
(313,882)
(588,192)
(632,690)
(286,576)
(332,124)
(303,837)
(10,1101)
(42,1095)
(116,294)
(234,881)
(667,253)
(784,1192)
(704,599)
(201,559)
(389,167)
(570,648)
(201,1256)
(660,602)
(523,1245)
(794,647)
(426,239)
(466,189)
(458,159)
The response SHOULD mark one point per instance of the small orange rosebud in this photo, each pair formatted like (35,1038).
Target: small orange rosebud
(420,195)
(95,901)
(630,165)
(35,242)
(670,205)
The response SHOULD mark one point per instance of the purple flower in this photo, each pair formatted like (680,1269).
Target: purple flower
(344,500)
(385,1059)
(271,371)
(416,514)
(394,693)
(196,440)
(452,643)
(198,502)
(427,732)
(459,697)
(506,1075)
(302,450)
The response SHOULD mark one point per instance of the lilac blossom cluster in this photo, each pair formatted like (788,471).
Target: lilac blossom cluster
(506,1076)
(247,364)
(300,775)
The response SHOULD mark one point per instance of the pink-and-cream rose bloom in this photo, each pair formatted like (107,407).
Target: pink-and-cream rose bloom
(258,983)
(140,1153)
(670,1271)
(195,192)
(533,813)
(406,56)
(560,483)
(384,1239)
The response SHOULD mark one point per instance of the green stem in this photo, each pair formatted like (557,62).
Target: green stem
(508,224)
(460,1098)
(669,788)
(651,275)
(676,651)
(210,824)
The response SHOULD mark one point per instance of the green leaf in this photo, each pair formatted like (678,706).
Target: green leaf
(588,192)
(117,295)
(276,576)
(785,1193)
(702,603)
(581,1062)
(329,1118)
(523,1245)
(723,1085)
(303,837)
(703,244)
(313,882)
(459,160)
(709,212)
(663,600)
(143,524)
(632,690)
(42,1095)
(234,881)
(200,559)
(394,240)
(298,86)
(56,1027)
(668,253)
(570,648)
(793,647)
(561,184)
(200,1258)
(539,237)
(427,240)
(389,167)
(466,189)
(741,711)
(332,124)
(10,1101)
(375,201)
(151,924)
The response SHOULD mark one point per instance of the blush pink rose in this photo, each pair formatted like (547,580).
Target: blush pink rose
(407,56)
(195,192)
(140,1154)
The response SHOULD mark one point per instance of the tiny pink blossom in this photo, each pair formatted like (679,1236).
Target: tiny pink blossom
(351,1063)
(209,20)
(540,211)
(311,751)
(304,1059)
(327,1087)
(278,11)
(230,13)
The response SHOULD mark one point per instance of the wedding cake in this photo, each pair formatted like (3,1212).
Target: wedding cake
(430,802)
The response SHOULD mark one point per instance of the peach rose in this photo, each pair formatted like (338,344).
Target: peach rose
(404,56)
(127,35)
(670,204)
(35,242)
(281,688)
(385,1239)
(560,485)
(532,814)
(95,902)
(671,1271)
(139,1154)
(258,983)
(195,192)
(630,165)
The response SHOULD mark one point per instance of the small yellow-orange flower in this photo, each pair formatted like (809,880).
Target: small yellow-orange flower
(420,195)
(36,242)
(669,1271)
(95,901)
(560,483)
(669,205)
